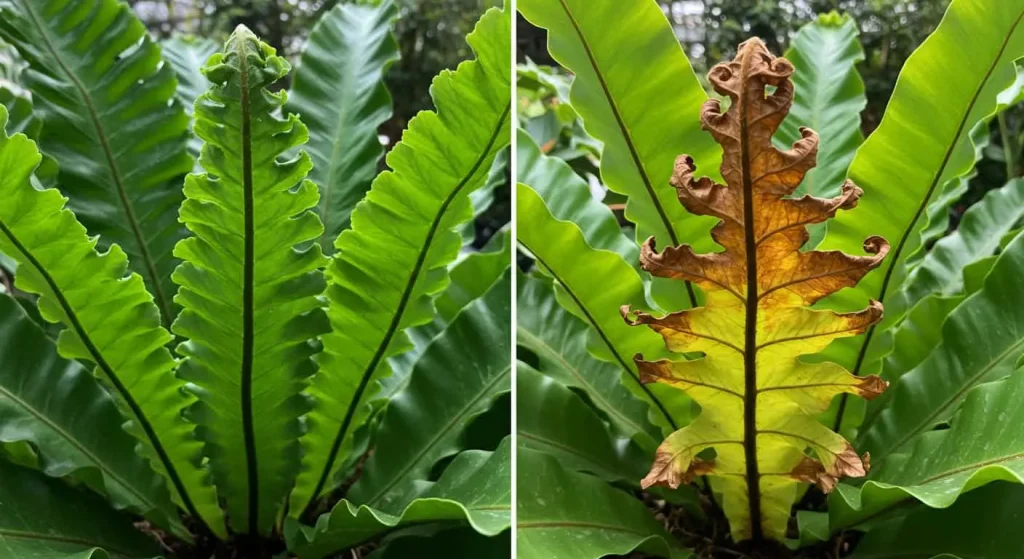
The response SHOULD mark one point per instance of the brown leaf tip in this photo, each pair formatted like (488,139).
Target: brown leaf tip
(871,387)
(665,473)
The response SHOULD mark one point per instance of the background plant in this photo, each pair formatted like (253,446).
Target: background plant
(940,455)
(201,338)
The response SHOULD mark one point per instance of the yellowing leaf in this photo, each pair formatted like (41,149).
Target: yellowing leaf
(758,399)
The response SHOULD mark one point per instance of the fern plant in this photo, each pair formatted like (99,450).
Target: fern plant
(767,299)
(228,344)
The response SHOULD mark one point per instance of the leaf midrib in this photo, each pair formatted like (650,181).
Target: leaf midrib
(25,535)
(115,171)
(248,428)
(393,327)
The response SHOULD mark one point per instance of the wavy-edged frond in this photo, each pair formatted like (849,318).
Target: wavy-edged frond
(338,90)
(248,293)
(395,257)
(110,321)
(475,489)
(108,119)
(758,400)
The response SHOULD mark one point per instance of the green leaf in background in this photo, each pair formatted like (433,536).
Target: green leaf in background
(568,198)
(395,256)
(829,98)
(475,488)
(108,119)
(946,87)
(111,321)
(338,90)
(187,55)
(570,515)
(616,79)
(249,297)
(42,518)
(593,285)
(972,352)
(984,443)
(456,379)
(22,119)
(552,419)
(72,423)
(558,340)
(984,524)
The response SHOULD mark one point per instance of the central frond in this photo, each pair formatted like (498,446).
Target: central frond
(758,400)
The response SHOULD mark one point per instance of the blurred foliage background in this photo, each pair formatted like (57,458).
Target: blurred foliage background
(710,30)
(431,37)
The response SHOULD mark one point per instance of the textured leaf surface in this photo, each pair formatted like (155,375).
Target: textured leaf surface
(758,399)
(935,114)
(592,284)
(972,352)
(551,418)
(558,340)
(984,524)
(570,515)
(829,98)
(109,121)
(338,90)
(187,56)
(403,237)
(74,426)
(568,197)
(41,518)
(456,379)
(248,295)
(456,543)
(475,488)
(984,443)
(110,321)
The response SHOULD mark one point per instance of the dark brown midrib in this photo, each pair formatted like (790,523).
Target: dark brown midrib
(894,259)
(400,309)
(115,172)
(628,138)
(248,429)
(750,324)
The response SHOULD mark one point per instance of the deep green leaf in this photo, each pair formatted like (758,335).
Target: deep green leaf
(338,90)
(22,119)
(568,198)
(41,518)
(984,443)
(456,379)
(972,352)
(249,297)
(984,524)
(558,340)
(395,257)
(456,543)
(946,87)
(475,488)
(73,425)
(829,98)
(551,418)
(593,285)
(187,55)
(108,119)
(111,321)
(570,515)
